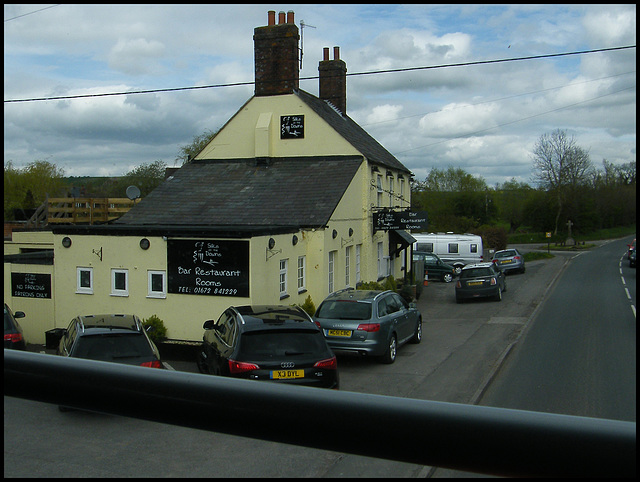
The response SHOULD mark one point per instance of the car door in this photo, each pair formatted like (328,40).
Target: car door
(219,340)
(403,315)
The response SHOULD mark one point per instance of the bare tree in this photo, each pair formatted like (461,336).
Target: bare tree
(559,165)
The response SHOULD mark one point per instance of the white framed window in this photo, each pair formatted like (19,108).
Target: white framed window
(84,280)
(358,273)
(302,282)
(157,284)
(119,282)
(284,263)
(380,190)
(332,264)
(347,265)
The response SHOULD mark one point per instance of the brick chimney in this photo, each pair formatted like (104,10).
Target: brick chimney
(276,55)
(333,80)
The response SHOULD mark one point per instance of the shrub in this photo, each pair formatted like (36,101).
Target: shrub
(159,332)
(308,306)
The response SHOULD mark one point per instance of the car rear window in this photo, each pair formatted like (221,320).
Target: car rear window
(113,347)
(344,310)
(281,344)
(475,272)
(505,254)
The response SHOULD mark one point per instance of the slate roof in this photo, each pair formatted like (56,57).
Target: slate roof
(252,195)
(296,192)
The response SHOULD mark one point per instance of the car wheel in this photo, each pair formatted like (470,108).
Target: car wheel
(201,361)
(392,348)
(458,270)
(499,295)
(447,277)
(417,336)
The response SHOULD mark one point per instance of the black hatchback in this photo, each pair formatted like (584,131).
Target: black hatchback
(268,342)
(114,338)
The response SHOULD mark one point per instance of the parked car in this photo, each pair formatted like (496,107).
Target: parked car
(110,337)
(369,322)
(277,343)
(13,337)
(509,260)
(434,267)
(480,280)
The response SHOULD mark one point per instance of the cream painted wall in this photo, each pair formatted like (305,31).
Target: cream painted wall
(258,122)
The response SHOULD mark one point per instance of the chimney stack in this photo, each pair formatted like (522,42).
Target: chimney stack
(276,55)
(333,80)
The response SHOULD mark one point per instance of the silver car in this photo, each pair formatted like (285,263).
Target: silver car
(509,260)
(369,322)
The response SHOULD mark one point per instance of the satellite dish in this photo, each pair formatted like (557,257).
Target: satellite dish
(133,192)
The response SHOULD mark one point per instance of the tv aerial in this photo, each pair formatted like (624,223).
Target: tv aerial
(302,26)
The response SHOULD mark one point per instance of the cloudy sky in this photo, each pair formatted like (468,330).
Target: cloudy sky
(483,118)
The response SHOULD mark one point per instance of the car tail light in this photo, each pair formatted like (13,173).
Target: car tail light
(317,324)
(13,337)
(369,327)
(516,257)
(240,367)
(458,284)
(329,364)
(152,364)
(493,281)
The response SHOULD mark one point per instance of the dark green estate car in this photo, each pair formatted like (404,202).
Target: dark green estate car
(434,267)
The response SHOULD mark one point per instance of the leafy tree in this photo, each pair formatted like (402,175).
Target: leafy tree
(28,188)
(145,177)
(188,152)
(560,166)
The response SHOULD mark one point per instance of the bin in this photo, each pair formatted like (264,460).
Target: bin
(52,337)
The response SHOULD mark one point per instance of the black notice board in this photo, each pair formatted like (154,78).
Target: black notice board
(292,127)
(393,220)
(209,268)
(31,285)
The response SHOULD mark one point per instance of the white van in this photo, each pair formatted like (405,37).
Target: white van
(454,249)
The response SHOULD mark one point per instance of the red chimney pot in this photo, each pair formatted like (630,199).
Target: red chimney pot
(290,16)
(271,14)
(281,18)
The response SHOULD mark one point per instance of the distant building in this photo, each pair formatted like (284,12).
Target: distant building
(277,207)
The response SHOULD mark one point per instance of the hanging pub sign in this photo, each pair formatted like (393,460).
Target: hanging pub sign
(208,267)
(292,127)
(406,220)
(31,285)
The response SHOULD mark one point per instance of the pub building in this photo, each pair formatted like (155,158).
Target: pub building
(287,201)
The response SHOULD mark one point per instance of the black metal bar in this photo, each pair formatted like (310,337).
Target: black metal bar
(465,437)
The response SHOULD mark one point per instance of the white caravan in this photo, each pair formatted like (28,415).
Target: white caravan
(454,249)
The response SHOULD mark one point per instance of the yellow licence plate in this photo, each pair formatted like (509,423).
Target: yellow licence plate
(505,261)
(287,374)
(346,333)
(474,283)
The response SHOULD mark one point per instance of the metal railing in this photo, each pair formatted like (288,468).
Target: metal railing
(464,437)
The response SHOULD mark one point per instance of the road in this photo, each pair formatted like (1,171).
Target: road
(579,357)
(462,347)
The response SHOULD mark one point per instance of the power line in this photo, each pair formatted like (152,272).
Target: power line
(35,11)
(407,69)
(468,134)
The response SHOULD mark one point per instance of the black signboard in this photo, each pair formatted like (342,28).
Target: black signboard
(393,220)
(206,267)
(31,285)
(292,127)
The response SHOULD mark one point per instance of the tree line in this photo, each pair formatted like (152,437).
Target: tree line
(569,188)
